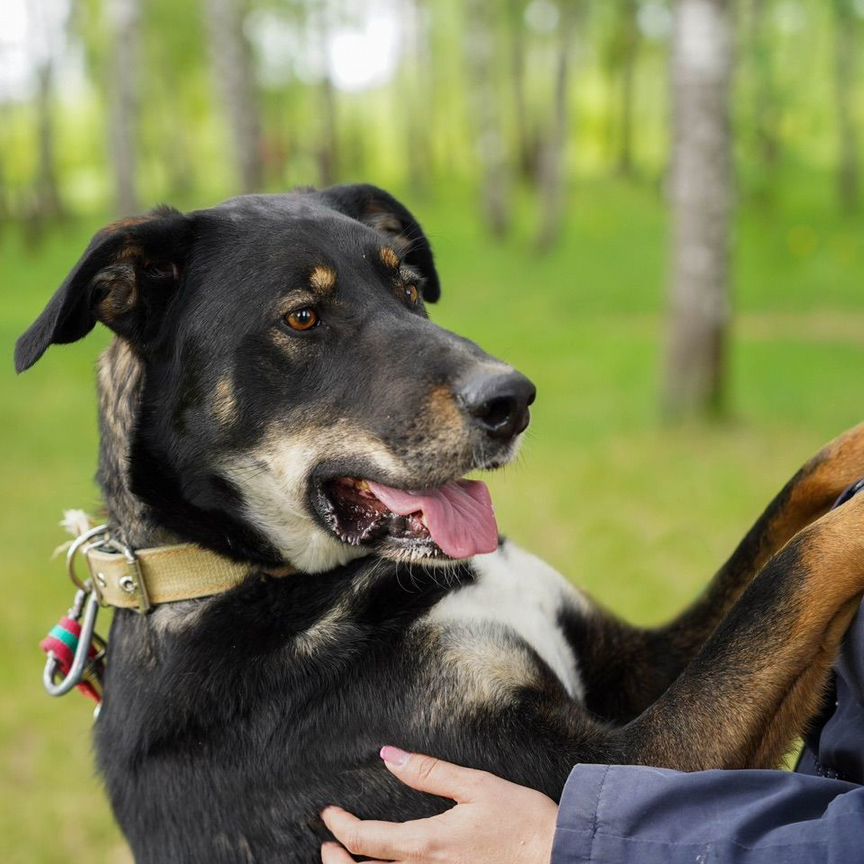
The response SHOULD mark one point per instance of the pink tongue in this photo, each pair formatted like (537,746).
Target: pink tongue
(460,516)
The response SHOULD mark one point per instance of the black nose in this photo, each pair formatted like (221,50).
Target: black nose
(498,402)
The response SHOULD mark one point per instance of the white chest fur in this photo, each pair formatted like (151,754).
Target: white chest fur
(525,595)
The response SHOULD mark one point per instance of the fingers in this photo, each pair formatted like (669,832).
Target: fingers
(427,774)
(333,853)
(372,839)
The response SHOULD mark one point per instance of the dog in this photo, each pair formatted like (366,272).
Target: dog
(276,394)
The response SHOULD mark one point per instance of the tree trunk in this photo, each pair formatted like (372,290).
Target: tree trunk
(327,151)
(526,139)
(125,18)
(630,49)
(765,109)
(47,188)
(701,198)
(235,81)
(846,47)
(551,177)
(489,138)
(45,40)
(417,94)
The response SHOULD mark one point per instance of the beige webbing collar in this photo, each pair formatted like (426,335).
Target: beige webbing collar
(163,574)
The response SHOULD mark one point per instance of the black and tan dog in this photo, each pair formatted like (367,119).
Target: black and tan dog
(276,393)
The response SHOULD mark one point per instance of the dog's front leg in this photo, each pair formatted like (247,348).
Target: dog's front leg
(746,695)
(627,668)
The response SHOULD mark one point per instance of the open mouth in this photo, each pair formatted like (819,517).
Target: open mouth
(456,520)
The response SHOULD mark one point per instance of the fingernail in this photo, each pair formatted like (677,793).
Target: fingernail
(394,756)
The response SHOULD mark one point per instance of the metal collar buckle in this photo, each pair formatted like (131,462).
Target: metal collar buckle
(132,583)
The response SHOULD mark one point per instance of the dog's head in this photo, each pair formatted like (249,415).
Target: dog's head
(297,403)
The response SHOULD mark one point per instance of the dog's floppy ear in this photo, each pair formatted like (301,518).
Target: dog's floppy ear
(381,211)
(125,279)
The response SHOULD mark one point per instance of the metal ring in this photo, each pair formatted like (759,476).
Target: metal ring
(75,546)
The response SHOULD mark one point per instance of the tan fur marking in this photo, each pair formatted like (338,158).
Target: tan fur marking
(273,479)
(388,257)
(121,292)
(492,670)
(121,376)
(443,408)
(476,668)
(324,633)
(323,279)
(225,402)
(839,464)
(386,223)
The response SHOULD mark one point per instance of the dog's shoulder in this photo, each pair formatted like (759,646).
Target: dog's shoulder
(514,605)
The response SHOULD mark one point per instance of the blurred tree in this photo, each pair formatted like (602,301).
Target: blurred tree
(846,51)
(173,41)
(46,39)
(231,58)
(551,179)
(327,146)
(701,197)
(527,157)
(480,56)
(765,122)
(125,20)
(622,52)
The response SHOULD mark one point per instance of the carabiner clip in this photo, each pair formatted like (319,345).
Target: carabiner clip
(87,600)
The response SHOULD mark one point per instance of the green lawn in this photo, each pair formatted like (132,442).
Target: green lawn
(638,514)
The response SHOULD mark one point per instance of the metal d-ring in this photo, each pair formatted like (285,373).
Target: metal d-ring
(74,548)
(90,603)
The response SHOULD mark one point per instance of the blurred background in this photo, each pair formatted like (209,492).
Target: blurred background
(652,208)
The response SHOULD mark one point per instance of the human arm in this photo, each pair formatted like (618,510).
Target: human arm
(625,814)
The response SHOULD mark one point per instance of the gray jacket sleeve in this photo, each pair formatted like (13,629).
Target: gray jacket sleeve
(640,815)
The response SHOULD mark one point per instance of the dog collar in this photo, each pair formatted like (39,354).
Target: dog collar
(140,579)
(127,578)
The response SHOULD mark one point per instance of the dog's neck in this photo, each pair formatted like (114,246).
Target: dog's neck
(121,381)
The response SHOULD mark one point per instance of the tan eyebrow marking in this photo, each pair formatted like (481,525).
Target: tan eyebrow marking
(388,257)
(323,279)
(225,402)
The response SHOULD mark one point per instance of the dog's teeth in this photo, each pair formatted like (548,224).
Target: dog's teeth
(362,485)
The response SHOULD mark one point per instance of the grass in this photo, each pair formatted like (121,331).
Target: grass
(637,513)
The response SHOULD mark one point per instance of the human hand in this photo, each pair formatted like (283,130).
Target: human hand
(494,821)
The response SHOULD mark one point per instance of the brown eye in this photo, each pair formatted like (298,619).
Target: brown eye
(302,319)
(412,295)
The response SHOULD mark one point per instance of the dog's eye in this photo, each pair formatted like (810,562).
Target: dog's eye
(412,294)
(302,319)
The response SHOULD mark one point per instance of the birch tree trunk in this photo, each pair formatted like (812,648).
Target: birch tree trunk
(552,183)
(327,144)
(846,56)
(483,102)
(418,91)
(526,138)
(235,84)
(701,199)
(630,50)
(765,106)
(46,41)
(124,16)
(49,203)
